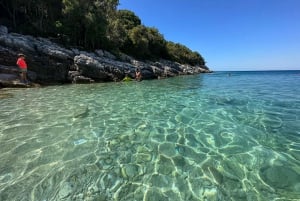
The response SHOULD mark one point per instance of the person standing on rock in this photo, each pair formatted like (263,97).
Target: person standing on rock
(23,67)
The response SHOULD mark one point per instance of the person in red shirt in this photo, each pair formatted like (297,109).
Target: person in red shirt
(23,67)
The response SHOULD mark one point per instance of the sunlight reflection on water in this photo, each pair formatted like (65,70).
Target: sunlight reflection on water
(204,137)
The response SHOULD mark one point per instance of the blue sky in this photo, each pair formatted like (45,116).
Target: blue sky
(229,34)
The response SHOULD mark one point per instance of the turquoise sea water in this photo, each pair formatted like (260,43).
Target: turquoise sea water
(221,136)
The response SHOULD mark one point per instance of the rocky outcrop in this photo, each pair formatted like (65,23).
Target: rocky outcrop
(48,62)
(9,77)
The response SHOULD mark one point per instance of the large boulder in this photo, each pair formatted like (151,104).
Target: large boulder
(102,69)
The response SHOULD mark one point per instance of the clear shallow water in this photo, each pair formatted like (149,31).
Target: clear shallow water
(208,137)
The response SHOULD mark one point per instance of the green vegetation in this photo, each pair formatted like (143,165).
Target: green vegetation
(93,24)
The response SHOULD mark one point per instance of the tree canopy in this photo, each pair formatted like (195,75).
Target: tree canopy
(93,24)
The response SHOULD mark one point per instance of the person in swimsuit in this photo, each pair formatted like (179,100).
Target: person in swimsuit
(138,75)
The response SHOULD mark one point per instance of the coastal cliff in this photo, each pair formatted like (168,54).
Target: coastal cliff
(50,63)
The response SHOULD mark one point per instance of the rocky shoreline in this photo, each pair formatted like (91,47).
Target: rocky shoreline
(50,63)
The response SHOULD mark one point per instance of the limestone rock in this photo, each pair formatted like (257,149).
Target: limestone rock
(51,63)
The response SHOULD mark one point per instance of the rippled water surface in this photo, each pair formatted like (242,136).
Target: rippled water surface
(221,136)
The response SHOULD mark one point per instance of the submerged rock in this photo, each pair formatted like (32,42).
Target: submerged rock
(280,177)
(168,149)
(65,191)
(142,158)
(213,173)
(165,165)
(5,95)
(218,177)
(81,112)
(211,194)
(155,195)
(130,170)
